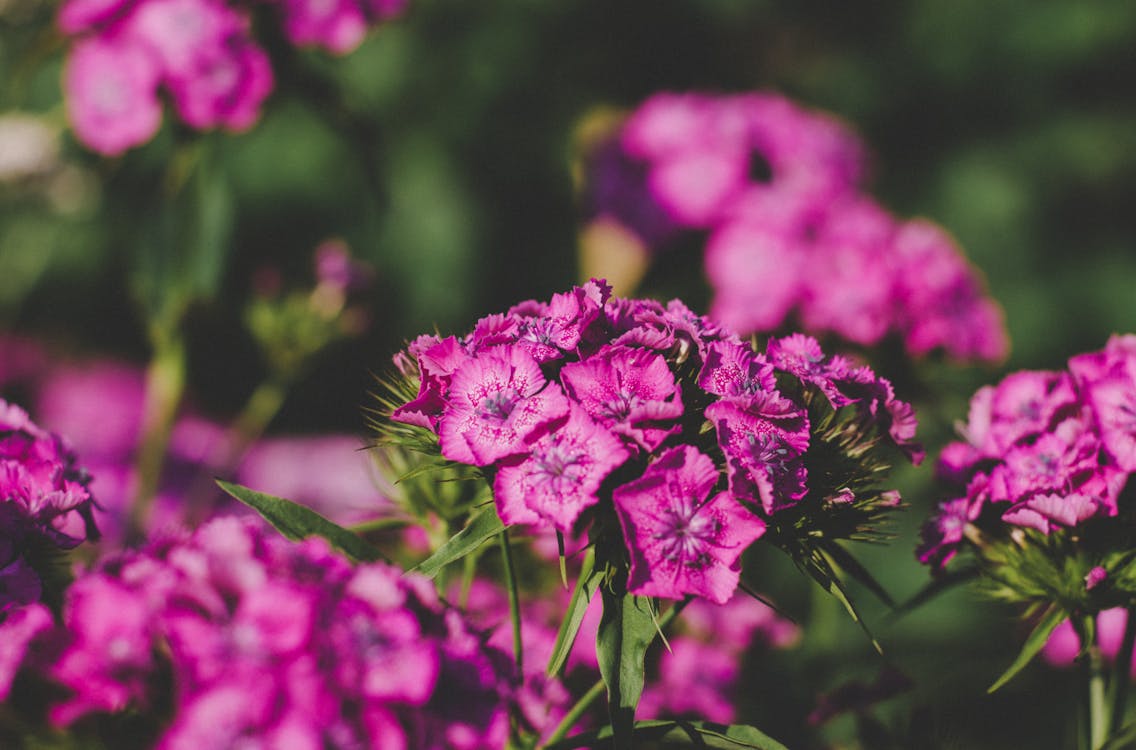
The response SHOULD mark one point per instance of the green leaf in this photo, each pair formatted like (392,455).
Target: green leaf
(514,600)
(586,586)
(689,733)
(1122,739)
(297,522)
(844,560)
(627,628)
(1045,627)
(482,526)
(819,568)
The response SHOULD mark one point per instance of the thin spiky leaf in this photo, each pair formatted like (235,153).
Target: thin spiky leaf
(586,586)
(1033,645)
(297,522)
(482,526)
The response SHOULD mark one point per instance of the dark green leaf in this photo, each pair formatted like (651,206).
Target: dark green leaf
(627,628)
(822,573)
(514,600)
(1045,627)
(690,733)
(586,587)
(482,526)
(844,560)
(297,522)
(1122,739)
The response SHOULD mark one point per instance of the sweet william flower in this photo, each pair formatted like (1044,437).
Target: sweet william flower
(682,542)
(631,391)
(561,475)
(496,402)
(112,94)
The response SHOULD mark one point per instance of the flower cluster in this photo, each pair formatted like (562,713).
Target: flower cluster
(276,644)
(45,505)
(681,441)
(45,508)
(775,189)
(1044,452)
(202,53)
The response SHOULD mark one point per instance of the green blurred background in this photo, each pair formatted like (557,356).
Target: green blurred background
(441,152)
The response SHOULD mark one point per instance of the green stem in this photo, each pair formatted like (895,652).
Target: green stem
(1094,664)
(1121,674)
(165,384)
(578,710)
(514,599)
(597,690)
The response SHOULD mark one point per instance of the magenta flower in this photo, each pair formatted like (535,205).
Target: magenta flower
(764,442)
(496,402)
(734,370)
(680,541)
(756,273)
(631,391)
(561,475)
(278,644)
(225,86)
(112,94)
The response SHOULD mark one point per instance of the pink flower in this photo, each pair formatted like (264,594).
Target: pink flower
(755,271)
(18,629)
(111,88)
(764,443)
(733,369)
(680,541)
(496,402)
(225,86)
(560,476)
(338,25)
(631,391)
(77,16)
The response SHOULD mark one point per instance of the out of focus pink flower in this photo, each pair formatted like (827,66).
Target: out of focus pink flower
(1063,646)
(112,94)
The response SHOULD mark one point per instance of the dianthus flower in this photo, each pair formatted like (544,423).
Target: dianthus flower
(276,644)
(1039,482)
(200,52)
(774,192)
(45,508)
(674,441)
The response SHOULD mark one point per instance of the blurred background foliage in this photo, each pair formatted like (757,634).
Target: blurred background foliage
(441,152)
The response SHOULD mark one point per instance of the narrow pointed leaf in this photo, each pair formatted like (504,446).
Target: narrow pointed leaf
(1123,739)
(823,574)
(482,526)
(296,522)
(563,561)
(844,560)
(680,733)
(627,628)
(582,596)
(1041,632)
(514,600)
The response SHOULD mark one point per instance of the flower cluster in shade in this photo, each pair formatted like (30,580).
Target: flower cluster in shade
(590,404)
(45,509)
(790,235)
(45,504)
(202,54)
(274,644)
(1042,450)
